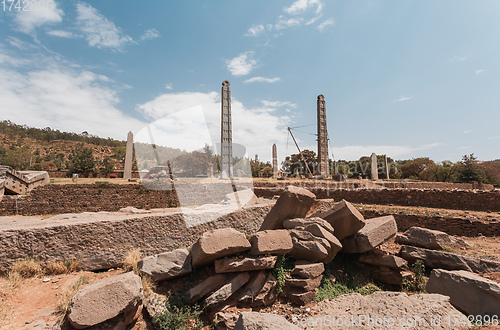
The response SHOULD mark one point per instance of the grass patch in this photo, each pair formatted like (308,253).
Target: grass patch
(417,282)
(284,265)
(131,260)
(148,285)
(178,314)
(343,276)
(27,267)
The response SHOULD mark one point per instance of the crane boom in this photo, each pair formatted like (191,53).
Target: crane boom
(300,152)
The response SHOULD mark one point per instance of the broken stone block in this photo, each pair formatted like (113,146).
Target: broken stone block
(430,239)
(277,242)
(299,296)
(268,294)
(468,292)
(215,244)
(306,269)
(306,284)
(299,223)
(319,231)
(226,290)
(235,264)
(375,232)
(205,287)
(306,246)
(387,260)
(166,265)
(344,218)
(294,202)
(253,287)
(105,299)
(449,261)
(262,321)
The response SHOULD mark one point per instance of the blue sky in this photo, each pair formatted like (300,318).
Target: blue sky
(404,78)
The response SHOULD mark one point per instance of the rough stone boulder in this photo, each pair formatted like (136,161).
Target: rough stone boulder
(306,269)
(222,294)
(299,296)
(468,292)
(106,299)
(260,290)
(306,246)
(344,218)
(321,232)
(298,223)
(418,311)
(166,265)
(449,261)
(375,232)
(294,202)
(236,264)
(306,284)
(215,244)
(262,321)
(277,242)
(430,239)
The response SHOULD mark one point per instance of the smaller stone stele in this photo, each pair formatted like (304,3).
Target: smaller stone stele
(375,232)
(430,239)
(294,202)
(166,265)
(236,264)
(106,299)
(277,242)
(344,218)
(216,244)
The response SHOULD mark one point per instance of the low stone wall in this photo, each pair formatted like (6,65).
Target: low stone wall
(102,244)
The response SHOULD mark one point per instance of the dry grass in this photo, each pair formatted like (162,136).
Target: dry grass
(148,285)
(55,267)
(27,267)
(131,260)
(65,302)
(7,288)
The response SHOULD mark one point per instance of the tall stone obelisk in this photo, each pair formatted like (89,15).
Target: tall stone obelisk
(374,167)
(127,171)
(322,137)
(226,167)
(386,168)
(275,162)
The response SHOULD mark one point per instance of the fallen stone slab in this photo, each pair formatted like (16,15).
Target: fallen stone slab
(277,242)
(106,299)
(430,239)
(306,246)
(307,269)
(253,287)
(299,296)
(262,321)
(400,311)
(215,244)
(470,293)
(166,265)
(344,218)
(222,294)
(299,223)
(321,232)
(235,264)
(386,260)
(448,261)
(306,284)
(206,287)
(294,202)
(268,294)
(375,232)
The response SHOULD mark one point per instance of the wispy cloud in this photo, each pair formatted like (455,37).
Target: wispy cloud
(301,6)
(326,24)
(284,23)
(242,64)
(278,104)
(255,30)
(479,71)
(28,21)
(61,34)
(99,31)
(150,34)
(403,98)
(467,132)
(169,86)
(263,79)
(457,59)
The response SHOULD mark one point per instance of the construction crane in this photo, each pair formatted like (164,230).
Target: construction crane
(300,152)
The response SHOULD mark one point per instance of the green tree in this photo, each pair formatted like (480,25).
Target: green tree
(415,167)
(107,166)
(81,160)
(294,164)
(469,170)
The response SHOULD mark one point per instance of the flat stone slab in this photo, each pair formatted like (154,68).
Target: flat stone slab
(231,265)
(307,269)
(166,265)
(345,219)
(473,294)
(386,260)
(226,290)
(300,223)
(430,239)
(277,242)
(299,296)
(375,232)
(307,284)
(294,202)
(206,287)
(448,261)
(262,321)
(216,244)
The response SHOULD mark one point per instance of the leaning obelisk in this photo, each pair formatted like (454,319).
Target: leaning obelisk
(226,167)
(322,137)
(127,171)
(275,162)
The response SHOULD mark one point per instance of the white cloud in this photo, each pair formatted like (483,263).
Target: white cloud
(263,79)
(325,24)
(403,98)
(278,104)
(61,34)
(99,31)
(479,71)
(255,30)
(74,101)
(242,64)
(301,6)
(150,34)
(284,23)
(169,86)
(467,132)
(37,16)
(457,59)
